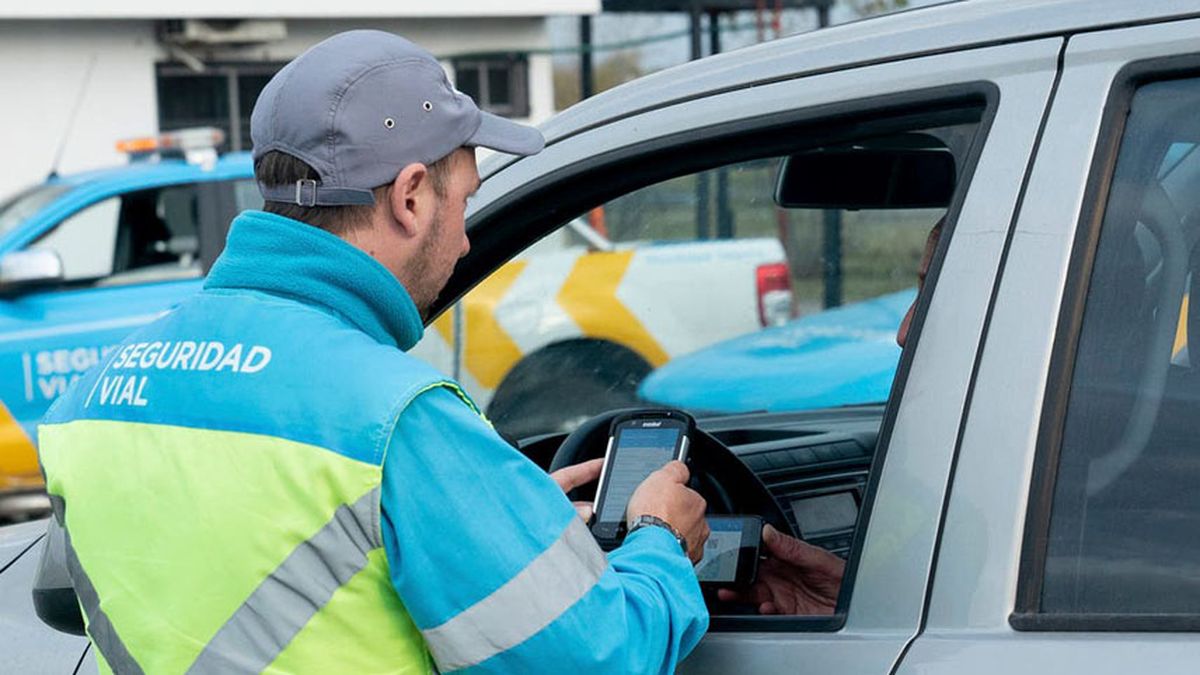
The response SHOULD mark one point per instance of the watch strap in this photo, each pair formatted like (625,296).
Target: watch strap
(655,521)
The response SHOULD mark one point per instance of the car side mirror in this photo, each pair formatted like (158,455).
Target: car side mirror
(21,270)
(854,178)
(54,597)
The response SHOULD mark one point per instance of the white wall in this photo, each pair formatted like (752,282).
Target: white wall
(241,9)
(42,65)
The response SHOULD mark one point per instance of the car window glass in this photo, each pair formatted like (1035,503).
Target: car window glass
(84,242)
(16,210)
(697,292)
(138,236)
(1121,537)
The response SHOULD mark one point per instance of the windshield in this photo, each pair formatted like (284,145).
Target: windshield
(18,209)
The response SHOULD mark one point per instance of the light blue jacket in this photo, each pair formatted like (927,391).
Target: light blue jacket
(485,551)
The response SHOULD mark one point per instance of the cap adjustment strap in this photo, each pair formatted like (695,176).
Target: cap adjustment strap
(300,185)
(309,192)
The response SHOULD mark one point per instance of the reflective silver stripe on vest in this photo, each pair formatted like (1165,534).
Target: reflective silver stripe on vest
(529,602)
(302,584)
(99,627)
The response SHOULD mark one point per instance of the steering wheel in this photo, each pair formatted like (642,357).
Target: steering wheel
(728,485)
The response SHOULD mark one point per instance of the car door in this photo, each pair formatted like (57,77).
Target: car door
(126,258)
(1069,543)
(882,598)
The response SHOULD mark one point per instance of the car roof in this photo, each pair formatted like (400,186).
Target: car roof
(159,172)
(87,187)
(925,30)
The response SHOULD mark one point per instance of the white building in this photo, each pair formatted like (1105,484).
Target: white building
(78,75)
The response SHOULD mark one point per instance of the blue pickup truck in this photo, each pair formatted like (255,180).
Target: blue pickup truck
(85,259)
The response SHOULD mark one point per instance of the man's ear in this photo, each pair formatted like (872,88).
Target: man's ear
(408,196)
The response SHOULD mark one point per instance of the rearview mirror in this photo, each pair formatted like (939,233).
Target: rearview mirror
(33,267)
(853,178)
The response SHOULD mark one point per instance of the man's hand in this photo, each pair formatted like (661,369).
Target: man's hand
(571,477)
(665,494)
(798,578)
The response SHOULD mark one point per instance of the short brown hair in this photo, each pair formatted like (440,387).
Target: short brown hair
(277,168)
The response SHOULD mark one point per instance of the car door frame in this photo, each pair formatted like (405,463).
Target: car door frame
(982,614)
(893,550)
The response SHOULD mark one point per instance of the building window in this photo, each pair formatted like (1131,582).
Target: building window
(498,84)
(221,96)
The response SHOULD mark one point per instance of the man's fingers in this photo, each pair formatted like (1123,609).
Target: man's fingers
(585,510)
(812,559)
(676,471)
(728,595)
(783,547)
(571,477)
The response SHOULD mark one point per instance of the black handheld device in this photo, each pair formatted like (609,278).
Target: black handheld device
(731,552)
(639,443)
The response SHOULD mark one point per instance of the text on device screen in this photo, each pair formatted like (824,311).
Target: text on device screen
(721,551)
(639,453)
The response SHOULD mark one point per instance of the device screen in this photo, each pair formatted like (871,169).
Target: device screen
(721,551)
(731,552)
(826,514)
(637,454)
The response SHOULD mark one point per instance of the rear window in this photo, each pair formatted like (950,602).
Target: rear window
(1122,538)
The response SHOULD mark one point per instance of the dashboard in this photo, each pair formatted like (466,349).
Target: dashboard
(813,463)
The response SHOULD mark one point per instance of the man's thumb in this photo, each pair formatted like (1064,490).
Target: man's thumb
(677,471)
(782,546)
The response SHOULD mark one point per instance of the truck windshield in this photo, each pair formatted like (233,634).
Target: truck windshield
(19,208)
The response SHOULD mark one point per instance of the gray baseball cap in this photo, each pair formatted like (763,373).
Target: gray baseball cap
(359,107)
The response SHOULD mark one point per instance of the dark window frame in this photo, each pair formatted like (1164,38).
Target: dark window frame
(573,189)
(1027,614)
(231,72)
(517,65)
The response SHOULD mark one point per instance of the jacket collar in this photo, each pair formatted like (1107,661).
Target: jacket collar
(269,253)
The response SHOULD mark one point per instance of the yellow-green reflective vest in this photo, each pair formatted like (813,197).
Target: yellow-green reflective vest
(219,481)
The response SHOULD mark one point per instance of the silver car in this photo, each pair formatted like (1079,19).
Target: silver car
(1026,498)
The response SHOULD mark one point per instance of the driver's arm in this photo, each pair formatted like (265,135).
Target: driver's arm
(501,575)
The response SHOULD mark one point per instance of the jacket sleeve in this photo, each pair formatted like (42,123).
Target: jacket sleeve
(501,575)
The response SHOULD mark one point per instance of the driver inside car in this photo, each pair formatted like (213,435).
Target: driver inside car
(797,577)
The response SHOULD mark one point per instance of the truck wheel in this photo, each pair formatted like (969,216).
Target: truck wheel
(560,386)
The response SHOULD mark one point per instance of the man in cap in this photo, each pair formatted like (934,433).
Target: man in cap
(264,479)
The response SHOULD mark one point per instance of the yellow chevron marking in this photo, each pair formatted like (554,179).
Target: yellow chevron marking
(489,353)
(1181,332)
(18,458)
(589,296)
(445,326)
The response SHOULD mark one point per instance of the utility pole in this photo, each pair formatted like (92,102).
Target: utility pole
(587,81)
(832,221)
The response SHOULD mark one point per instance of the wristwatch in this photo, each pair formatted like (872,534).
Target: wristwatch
(655,521)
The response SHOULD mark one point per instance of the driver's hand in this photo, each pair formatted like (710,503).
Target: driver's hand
(571,477)
(797,578)
(665,494)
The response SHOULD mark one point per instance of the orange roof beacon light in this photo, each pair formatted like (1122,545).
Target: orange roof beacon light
(197,146)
